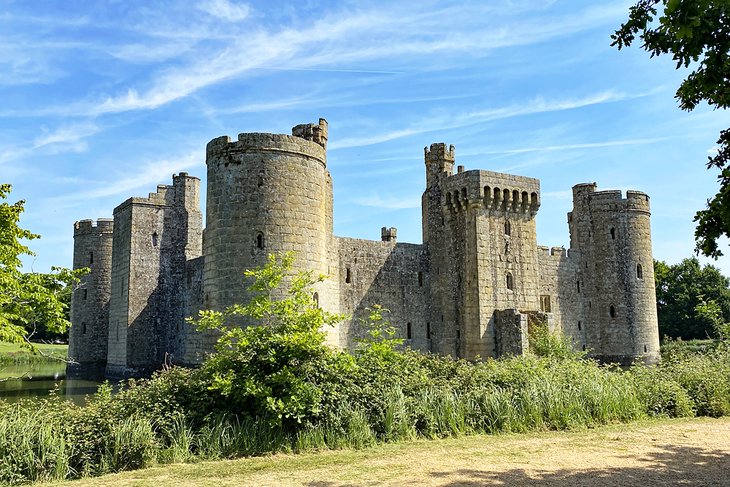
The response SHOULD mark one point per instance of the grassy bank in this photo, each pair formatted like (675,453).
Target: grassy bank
(651,452)
(370,398)
(12,353)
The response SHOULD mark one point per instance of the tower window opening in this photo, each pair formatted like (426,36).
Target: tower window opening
(613,233)
(584,348)
(154,239)
(507,228)
(645,349)
(612,311)
(91,257)
(545,305)
(510,281)
(348,275)
(639,272)
(420,279)
(259,240)
(83,328)
(428,330)
(315,298)
(458,334)
(577,285)
(260,181)
(85,293)
(579,326)
(408,331)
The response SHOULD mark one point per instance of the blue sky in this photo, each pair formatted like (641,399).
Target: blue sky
(105,100)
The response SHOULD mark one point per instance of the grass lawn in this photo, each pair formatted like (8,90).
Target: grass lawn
(14,353)
(656,452)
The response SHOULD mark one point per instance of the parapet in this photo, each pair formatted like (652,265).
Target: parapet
(389,234)
(316,133)
(89,227)
(493,191)
(221,151)
(613,200)
(439,152)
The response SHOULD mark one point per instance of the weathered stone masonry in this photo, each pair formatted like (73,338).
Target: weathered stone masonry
(473,288)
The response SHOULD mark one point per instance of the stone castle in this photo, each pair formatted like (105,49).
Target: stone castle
(472,289)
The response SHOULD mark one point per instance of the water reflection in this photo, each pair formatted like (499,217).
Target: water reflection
(38,380)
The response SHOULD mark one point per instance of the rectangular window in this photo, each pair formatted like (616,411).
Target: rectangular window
(545,306)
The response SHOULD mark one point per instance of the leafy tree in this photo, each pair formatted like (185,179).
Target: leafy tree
(692,301)
(697,35)
(27,300)
(275,369)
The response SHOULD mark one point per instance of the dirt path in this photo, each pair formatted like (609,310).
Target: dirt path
(677,452)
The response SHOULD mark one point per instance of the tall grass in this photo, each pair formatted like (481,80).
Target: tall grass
(174,419)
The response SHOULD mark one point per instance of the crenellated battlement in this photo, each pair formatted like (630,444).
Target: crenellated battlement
(614,200)
(439,152)
(493,191)
(316,133)
(221,151)
(389,234)
(88,226)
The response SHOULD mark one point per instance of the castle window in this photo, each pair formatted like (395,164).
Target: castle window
(612,311)
(348,275)
(408,331)
(584,348)
(577,285)
(315,298)
(645,349)
(579,326)
(507,228)
(428,330)
(613,233)
(261,181)
(259,240)
(458,334)
(83,328)
(420,279)
(85,294)
(510,281)
(154,239)
(639,272)
(91,257)
(448,198)
(545,303)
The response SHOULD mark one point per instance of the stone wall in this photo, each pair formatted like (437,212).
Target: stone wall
(90,299)
(156,236)
(389,274)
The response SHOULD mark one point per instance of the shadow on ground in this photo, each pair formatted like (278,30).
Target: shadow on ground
(674,465)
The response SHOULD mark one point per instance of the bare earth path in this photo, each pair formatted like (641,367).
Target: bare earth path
(669,452)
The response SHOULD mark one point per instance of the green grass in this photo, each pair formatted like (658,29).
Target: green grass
(13,353)
(443,461)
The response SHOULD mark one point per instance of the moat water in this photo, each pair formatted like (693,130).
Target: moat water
(40,380)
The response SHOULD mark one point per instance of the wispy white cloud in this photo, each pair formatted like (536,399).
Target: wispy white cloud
(148,176)
(389,203)
(589,145)
(529,107)
(225,10)
(336,42)
(67,138)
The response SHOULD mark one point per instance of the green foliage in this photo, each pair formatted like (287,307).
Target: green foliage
(276,387)
(273,368)
(692,301)
(545,343)
(697,35)
(28,301)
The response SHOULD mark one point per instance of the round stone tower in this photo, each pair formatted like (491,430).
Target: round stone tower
(88,336)
(614,238)
(267,193)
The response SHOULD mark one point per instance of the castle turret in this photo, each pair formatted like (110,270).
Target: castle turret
(153,239)
(90,299)
(267,193)
(614,238)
